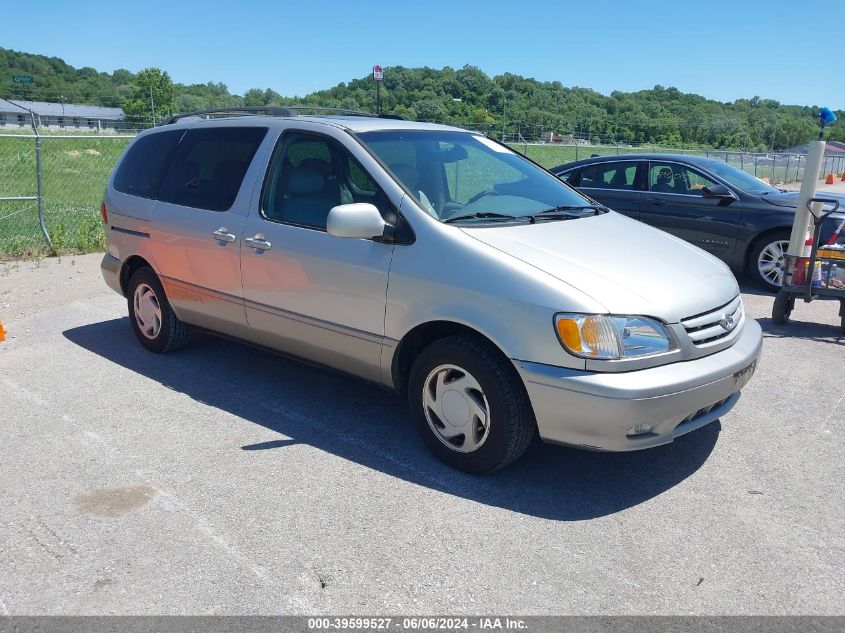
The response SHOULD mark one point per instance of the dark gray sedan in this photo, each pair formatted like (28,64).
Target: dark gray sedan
(722,209)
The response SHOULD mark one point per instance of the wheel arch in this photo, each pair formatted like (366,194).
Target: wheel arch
(422,335)
(129,267)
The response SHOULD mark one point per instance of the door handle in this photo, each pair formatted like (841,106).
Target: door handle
(657,201)
(258,242)
(222,235)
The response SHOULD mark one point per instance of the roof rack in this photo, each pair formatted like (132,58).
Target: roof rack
(281,111)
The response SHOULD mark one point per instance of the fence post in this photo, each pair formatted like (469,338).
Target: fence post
(786,175)
(755,165)
(39,175)
(774,160)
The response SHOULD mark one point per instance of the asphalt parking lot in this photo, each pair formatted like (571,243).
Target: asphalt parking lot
(224,479)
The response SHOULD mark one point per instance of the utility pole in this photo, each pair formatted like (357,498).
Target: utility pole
(774,133)
(504,116)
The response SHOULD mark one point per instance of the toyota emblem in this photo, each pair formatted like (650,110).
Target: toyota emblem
(727,322)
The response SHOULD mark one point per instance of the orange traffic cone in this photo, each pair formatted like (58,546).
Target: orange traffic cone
(2,332)
(829,180)
(843,177)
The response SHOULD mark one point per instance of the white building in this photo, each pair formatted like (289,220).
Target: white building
(16,113)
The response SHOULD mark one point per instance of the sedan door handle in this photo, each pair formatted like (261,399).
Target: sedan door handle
(222,235)
(258,242)
(657,201)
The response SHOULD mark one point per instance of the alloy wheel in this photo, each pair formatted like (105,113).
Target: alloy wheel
(771,262)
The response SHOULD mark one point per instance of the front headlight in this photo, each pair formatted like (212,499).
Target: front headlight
(606,337)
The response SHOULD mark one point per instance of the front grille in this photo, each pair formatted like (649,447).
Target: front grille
(710,326)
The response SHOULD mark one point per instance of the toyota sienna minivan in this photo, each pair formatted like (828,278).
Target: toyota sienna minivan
(431,260)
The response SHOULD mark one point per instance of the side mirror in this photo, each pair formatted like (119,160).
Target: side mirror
(359,220)
(718,191)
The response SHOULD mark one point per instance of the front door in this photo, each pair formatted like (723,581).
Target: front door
(198,225)
(675,203)
(309,293)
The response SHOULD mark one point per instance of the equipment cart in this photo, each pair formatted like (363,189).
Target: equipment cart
(821,274)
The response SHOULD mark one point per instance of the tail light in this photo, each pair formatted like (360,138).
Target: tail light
(103,214)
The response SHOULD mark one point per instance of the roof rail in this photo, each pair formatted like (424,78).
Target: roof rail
(283,111)
(270,110)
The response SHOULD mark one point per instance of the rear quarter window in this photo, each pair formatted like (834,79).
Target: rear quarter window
(209,165)
(142,169)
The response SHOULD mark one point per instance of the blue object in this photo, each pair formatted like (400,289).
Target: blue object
(827,116)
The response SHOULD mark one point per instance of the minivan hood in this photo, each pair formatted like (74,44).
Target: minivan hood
(625,265)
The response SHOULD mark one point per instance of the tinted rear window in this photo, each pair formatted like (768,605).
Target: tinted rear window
(209,165)
(142,169)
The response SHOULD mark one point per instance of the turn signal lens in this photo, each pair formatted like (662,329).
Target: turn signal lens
(606,337)
(104,216)
(568,331)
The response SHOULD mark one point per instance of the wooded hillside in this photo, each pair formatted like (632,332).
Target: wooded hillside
(505,104)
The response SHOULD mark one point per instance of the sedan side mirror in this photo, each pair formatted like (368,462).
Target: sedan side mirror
(360,220)
(718,191)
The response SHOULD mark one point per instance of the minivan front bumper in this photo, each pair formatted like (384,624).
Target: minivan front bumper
(599,410)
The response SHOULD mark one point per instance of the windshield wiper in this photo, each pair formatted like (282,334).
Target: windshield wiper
(568,207)
(481,215)
(563,212)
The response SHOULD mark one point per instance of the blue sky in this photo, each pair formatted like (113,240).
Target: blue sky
(722,50)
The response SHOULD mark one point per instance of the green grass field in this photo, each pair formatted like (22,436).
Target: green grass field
(75,171)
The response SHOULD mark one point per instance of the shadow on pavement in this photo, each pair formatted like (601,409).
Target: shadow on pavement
(747,287)
(365,424)
(807,330)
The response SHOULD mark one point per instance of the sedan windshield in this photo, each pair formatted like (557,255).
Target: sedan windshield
(739,179)
(466,177)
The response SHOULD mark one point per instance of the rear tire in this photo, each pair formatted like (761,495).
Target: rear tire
(153,321)
(782,307)
(766,260)
(469,405)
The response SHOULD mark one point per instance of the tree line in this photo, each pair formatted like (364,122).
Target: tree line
(506,105)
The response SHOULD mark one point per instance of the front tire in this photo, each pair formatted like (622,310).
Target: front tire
(767,260)
(153,321)
(469,405)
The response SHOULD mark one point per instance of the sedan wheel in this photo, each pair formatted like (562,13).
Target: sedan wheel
(766,259)
(456,408)
(771,262)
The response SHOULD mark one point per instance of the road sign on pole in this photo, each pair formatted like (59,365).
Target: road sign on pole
(378,75)
(22,79)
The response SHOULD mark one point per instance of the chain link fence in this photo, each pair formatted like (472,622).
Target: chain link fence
(74,170)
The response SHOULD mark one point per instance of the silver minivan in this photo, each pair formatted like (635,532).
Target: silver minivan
(436,262)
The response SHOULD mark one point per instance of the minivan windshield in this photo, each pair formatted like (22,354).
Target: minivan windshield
(465,177)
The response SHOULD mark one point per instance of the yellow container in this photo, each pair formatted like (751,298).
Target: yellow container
(831,253)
